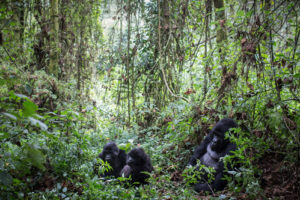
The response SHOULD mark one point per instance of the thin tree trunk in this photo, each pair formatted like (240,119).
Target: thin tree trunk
(53,65)
(128,58)
(79,65)
(207,35)
(221,18)
(221,39)
(221,31)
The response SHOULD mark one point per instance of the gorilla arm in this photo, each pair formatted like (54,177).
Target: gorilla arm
(126,171)
(219,182)
(200,150)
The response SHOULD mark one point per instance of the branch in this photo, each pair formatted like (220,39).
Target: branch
(174,95)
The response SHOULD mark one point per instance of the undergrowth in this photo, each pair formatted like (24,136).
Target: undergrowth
(50,152)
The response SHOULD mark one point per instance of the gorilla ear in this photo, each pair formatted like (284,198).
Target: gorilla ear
(101,156)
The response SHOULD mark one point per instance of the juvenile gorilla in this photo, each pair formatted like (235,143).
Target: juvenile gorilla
(209,153)
(115,157)
(137,163)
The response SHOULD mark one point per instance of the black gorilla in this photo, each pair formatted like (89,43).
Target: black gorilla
(210,151)
(115,157)
(137,163)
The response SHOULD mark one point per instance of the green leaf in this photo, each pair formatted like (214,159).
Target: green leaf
(2,81)
(3,136)
(28,89)
(240,13)
(35,156)
(29,108)
(229,101)
(5,178)
(220,9)
(38,123)
(125,147)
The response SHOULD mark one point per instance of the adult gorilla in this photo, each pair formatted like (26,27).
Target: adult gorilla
(209,153)
(137,163)
(115,157)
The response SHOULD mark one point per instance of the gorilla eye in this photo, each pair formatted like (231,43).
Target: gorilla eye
(218,136)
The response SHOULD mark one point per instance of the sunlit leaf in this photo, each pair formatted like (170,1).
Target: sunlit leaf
(3,136)
(232,172)
(37,122)
(10,116)
(21,96)
(29,108)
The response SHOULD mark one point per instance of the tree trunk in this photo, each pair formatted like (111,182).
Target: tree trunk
(221,39)
(128,58)
(208,5)
(53,65)
(221,18)
(221,31)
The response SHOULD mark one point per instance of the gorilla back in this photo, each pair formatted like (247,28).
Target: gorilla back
(209,152)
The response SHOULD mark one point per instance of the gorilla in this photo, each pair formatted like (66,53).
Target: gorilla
(209,153)
(137,163)
(115,157)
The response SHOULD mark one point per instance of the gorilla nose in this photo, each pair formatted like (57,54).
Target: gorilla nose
(108,157)
(130,160)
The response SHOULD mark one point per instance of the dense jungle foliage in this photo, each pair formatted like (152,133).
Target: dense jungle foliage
(75,75)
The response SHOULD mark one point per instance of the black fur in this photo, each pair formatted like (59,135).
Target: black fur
(209,152)
(115,157)
(137,163)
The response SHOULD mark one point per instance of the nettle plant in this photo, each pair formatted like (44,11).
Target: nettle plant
(244,177)
(192,174)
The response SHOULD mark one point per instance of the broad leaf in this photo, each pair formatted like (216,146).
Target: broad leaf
(35,156)
(29,108)
(5,178)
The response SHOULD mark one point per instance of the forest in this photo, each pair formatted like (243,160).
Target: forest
(149,99)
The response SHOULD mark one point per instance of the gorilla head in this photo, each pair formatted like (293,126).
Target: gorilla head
(110,152)
(137,163)
(115,157)
(209,152)
(217,134)
(137,157)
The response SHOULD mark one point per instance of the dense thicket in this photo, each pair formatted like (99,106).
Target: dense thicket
(156,74)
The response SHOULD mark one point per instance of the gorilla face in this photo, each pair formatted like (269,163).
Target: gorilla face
(110,152)
(218,141)
(136,157)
